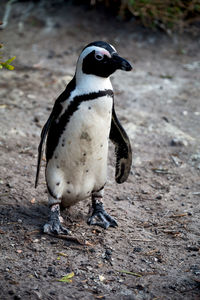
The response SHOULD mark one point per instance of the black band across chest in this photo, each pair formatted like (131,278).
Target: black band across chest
(57,128)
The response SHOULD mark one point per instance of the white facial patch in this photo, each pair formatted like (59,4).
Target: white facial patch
(87,83)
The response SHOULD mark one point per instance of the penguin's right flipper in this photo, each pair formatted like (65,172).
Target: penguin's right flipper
(41,147)
(53,116)
(122,149)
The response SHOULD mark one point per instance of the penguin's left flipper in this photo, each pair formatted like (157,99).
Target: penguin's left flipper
(122,149)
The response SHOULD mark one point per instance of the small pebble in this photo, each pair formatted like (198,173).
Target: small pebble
(137,249)
(92,250)
(30,96)
(35,240)
(17,297)
(11,292)
(178,142)
(36,119)
(192,248)
(108,252)
(139,287)
(49,269)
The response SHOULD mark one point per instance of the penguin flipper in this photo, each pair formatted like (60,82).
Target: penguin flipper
(41,147)
(123,150)
(53,116)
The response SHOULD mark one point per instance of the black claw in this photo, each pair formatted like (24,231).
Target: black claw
(54,226)
(103,218)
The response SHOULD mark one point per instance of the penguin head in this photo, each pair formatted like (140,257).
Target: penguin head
(102,60)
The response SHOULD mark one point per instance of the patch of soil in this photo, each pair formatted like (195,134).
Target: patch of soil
(154,253)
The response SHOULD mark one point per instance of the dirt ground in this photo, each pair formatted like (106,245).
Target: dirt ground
(154,253)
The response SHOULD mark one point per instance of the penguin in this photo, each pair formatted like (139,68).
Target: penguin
(77,133)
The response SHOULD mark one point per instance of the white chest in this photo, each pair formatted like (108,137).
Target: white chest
(87,129)
(79,162)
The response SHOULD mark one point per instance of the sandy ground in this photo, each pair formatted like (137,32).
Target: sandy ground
(154,253)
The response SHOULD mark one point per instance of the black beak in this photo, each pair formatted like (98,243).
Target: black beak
(121,63)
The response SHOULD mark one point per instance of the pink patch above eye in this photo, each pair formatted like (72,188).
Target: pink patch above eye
(103,52)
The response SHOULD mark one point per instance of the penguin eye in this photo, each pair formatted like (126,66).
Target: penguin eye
(99,56)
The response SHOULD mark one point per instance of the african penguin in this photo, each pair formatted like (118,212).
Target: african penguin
(77,133)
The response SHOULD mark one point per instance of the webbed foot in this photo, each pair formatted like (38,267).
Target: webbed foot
(100,217)
(54,225)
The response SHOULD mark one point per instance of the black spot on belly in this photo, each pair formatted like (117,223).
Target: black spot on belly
(68,192)
(56,157)
(57,167)
(89,107)
(87,171)
(68,182)
(85,136)
(101,145)
(84,154)
(57,183)
(63,144)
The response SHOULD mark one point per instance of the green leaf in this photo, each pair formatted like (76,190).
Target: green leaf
(67,278)
(10,60)
(130,273)
(9,67)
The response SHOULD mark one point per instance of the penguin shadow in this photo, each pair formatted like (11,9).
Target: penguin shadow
(28,216)
(23,217)
(78,213)
(34,216)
